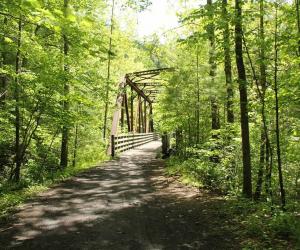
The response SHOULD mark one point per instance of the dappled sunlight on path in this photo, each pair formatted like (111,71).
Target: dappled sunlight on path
(125,204)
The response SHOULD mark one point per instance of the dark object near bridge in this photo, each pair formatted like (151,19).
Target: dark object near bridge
(169,152)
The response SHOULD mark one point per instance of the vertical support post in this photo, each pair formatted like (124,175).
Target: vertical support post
(122,112)
(145,116)
(136,115)
(127,112)
(116,116)
(142,116)
(151,127)
(112,145)
(131,111)
(139,114)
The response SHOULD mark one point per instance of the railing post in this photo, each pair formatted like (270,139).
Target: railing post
(133,141)
(112,145)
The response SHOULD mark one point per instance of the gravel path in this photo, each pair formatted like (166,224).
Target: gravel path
(125,204)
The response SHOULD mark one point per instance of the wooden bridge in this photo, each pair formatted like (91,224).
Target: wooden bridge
(134,104)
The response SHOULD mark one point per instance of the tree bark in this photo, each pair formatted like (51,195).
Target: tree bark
(297,3)
(65,103)
(75,146)
(227,63)
(3,78)
(18,161)
(108,70)
(215,122)
(260,173)
(263,84)
(279,163)
(198,99)
(247,175)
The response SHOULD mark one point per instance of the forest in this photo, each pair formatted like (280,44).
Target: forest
(230,108)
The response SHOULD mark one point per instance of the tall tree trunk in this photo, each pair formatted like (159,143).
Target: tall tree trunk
(227,62)
(297,3)
(3,78)
(75,146)
(263,83)
(65,104)
(260,173)
(279,163)
(215,122)
(18,160)
(247,175)
(198,99)
(108,70)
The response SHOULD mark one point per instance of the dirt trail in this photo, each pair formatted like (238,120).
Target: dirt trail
(126,204)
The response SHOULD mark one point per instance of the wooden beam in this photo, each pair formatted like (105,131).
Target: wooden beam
(118,106)
(139,114)
(127,112)
(151,91)
(150,84)
(151,127)
(137,89)
(116,115)
(152,71)
(122,113)
(145,116)
(131,110)
(142,78)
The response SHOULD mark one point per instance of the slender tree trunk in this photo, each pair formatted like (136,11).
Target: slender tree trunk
(297,3)
(18,161)
(3,78)
(108,70)
(265,137)
(215,122)
(263,84)
(279,163)
(247,175)
(65,104)
(260,173)
(198,100)
(75,146)
(227,62)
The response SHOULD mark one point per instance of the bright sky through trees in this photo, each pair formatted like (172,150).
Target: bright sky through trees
(161,16)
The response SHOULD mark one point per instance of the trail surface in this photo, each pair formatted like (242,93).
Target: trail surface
(125,204)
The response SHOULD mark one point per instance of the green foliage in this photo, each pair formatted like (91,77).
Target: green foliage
(40,30)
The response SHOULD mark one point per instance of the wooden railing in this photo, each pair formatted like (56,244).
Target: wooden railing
(121,143)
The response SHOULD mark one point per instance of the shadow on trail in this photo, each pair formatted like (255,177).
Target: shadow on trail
(126,205)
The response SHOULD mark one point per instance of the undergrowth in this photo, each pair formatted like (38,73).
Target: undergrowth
(262,225)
